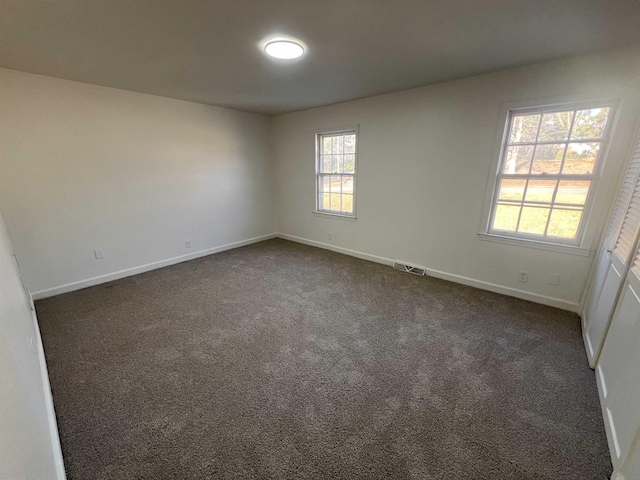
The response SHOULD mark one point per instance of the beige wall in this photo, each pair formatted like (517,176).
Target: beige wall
(29,446)
(425,156)
(84,167)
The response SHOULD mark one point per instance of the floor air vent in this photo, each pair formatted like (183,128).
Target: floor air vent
(403,267)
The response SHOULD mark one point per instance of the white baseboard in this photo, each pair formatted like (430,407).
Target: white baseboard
(472,282)
(606,418)
(492,287)
(334,248)
(48,399)
(89,282)
(587,342)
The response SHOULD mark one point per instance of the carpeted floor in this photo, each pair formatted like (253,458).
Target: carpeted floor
(280,360)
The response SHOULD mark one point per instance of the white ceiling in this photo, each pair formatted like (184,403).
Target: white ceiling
(210,51)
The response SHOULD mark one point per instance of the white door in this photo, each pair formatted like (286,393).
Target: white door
(630,469)
(614,259)
(618,372)
(599,308)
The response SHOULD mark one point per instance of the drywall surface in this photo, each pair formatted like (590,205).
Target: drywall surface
(29,447)
(425,158)
(85,167)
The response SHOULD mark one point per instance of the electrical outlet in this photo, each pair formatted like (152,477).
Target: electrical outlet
(554,279)
(524,277)
(187,243)
(99,253)
(329,236)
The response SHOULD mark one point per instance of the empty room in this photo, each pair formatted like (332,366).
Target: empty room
(338,239)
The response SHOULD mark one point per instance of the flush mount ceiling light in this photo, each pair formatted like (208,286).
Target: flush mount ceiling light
(284,49)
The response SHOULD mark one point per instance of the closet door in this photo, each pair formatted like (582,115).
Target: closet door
(614,259)
(618,372)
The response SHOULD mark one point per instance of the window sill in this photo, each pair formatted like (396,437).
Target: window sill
(522,242)
(335,216)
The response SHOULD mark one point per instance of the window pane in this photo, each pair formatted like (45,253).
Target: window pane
(573,191)
(518,159)
(336,170)
(581,158)
(325,165)
(540,190)
(326,201)
(511,189)
(543,186)
(524,128)
(564,223)
(324,184)
(533,220)
(326,144)
(548,158)
(506,217)
(350,144)
(337,144)
(555,126)
(335,184)
(590,123)
(349,163)
(335,201)
(347,203)
(335,163)
(347,185)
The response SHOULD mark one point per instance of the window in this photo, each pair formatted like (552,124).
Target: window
(548,167)
(336,172)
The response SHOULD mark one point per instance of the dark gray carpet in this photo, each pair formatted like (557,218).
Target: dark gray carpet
(280,360)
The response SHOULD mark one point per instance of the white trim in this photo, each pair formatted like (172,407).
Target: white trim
(472,282)
(585,233)
(539,245)
(355,129)
(603,382)
(334,216)
(89,282)
(334,248)
(606,418)
(588,347)
(612,202)
(48,399)
(592,178)
(56,449)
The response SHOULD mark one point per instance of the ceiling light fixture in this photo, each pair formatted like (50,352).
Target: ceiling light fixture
(284,49)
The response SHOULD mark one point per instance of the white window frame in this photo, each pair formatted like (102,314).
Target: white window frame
(577,246)
(347,130)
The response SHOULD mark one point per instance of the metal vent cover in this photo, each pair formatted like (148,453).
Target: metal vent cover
(403,267)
